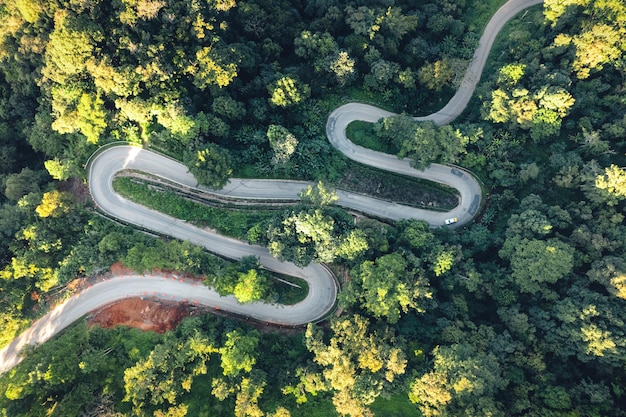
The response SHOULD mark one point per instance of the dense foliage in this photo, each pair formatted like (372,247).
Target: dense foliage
(521,313)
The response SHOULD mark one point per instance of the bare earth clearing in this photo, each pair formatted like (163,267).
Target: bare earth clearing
(154,315)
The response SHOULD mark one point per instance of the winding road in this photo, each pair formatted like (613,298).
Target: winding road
(322,284)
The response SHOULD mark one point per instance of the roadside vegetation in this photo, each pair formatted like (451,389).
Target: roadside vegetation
(246,280)
(519,314)
(398,188)
(234,222)
(363,134)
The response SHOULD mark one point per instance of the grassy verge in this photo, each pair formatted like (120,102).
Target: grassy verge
(398,188)
(362,134)
(478,13)
(289,294)
(388,186)
(234,223)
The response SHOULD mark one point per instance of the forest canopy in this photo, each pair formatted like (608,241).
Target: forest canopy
(520,313)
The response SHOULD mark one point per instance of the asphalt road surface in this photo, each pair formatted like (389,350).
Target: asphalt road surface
(322,284)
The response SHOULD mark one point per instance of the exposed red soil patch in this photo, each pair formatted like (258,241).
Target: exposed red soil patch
(152,315)
(157,316)
(118,268)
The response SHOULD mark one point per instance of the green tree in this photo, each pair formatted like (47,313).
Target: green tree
(382,72)
(113,81)
(358,363)
(63,376)
(304,236)
(422,142)
(364,21)
(326,56)
(610,271)
(315,46)
(228,108)
(464,380)
(352,245)
(391,286)
(529,223)
(19,184)
(436,75)
(239,352)
(314,235)
(167,372)
(415,234)
(211,165)
(215,65)
(71,45)
(433,144)
(536,263)
(175,119)
(91,117)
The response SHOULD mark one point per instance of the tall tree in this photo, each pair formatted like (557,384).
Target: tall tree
(423,142)
(239,352)
(537,263)
(167,372)
(390,286)
(283,144)
(288,91)
(211,165)
(463,380)
(358,363)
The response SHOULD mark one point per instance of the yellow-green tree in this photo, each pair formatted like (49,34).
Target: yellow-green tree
(239,352)
(358,363)
(390,286)
(167,372)
(612,184)
(214,65)
(251,286)
(211,165)
(287,91)
(54,203)
(463,381)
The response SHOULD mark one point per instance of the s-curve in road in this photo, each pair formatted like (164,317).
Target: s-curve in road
(465,183)
(323,291)
(322,284)
(468,187)
(104,167)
